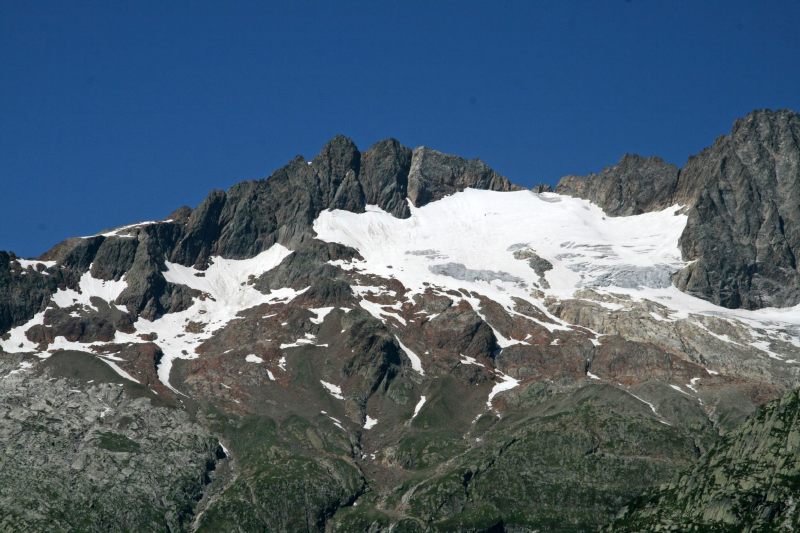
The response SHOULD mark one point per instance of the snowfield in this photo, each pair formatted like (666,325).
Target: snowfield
(468,240)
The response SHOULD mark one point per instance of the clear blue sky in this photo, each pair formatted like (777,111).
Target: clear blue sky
(114,112)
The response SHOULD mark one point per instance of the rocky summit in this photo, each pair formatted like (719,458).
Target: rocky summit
(404,340)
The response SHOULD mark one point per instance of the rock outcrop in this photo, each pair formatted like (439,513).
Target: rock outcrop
(633,186)
(743,202)
(98,455)
(743,232)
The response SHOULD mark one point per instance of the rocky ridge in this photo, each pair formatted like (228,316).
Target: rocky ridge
(742,196)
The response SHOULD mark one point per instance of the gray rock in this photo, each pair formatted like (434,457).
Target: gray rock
(744,224)
(384,176)
(634,185)
(114,257)
(459,271)
(23,292)
(434,175)
(70,456)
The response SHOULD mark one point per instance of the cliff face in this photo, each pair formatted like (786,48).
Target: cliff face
(743,232)
(743,201)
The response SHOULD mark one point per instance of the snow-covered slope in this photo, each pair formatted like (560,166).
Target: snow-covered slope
(471,243)
(468,241)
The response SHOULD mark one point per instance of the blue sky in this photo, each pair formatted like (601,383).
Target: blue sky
(114,112)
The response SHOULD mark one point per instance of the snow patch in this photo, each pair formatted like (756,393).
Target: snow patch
(506,383)
(467,360)
(108,360)
(90,287)
(33,263)
(321,313)
(418,407)
(334,390)
(416,362)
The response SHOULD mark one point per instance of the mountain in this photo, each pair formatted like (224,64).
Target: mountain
(402,339)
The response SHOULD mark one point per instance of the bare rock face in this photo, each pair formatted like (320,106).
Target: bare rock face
(384,176)
(435,175)
(633,186)
(743,202)
(744,224)
(74,451)
(23,291)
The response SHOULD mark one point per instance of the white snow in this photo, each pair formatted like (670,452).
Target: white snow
(336,421)
(25,263)
(225,284)
(17,341)
(677,388)
(650,405)
(282,363)
(480,229)
(506,383)
(370,422)
(23,366)
(416,362)
(418,407)
(271,375)
(335,390)
(467,360)
(321,313)
(252,358)
(116,232)
(108,360)
(764,346)
(89,287)
(592,376)
(307,339)
(375,309)
(225,450)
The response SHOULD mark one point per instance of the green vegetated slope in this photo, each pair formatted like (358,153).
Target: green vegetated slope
(749,481)
(558,461)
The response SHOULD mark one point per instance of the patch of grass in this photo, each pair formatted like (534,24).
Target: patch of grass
(118,443)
